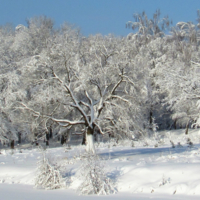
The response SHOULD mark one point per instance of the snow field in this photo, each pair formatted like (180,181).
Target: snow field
(141,172)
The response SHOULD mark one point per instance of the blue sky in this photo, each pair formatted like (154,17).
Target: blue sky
(96,16)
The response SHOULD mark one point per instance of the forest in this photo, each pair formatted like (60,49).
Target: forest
(57,83)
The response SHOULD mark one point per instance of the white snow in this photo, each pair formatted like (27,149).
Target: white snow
(139,172)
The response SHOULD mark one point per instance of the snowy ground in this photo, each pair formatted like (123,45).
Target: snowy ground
(139,172)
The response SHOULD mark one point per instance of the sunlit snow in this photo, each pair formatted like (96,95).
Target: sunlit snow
(138,171)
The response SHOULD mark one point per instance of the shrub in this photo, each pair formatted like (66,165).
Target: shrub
(94,177)
(48,177)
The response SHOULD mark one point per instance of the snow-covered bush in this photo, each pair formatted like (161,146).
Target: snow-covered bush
(164,181)
(94,177)
(48,177)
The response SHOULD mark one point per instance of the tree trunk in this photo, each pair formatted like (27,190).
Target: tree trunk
(19,137)
(12,144)
(151,119)
(84,139)
(36,142)
(175,124)
(96,137)
(90,140)
(187,127)
(63,139)
(50,133)
(47,139)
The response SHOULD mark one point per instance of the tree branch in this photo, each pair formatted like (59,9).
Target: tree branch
(98,86)
(67,88)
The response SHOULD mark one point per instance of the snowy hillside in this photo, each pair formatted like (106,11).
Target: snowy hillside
(137,171)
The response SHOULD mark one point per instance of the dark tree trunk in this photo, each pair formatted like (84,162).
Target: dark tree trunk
(50,133)
(47,136)
(187,127)
(47,139)
(96,137)
(175,121)
(12,144)
(36,142)
(19,138)
(84,139)
(47,143)
(63,139)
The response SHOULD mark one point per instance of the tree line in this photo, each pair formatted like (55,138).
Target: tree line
(59,82)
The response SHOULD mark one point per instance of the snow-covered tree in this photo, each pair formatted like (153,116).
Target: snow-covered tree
(8,84)
(98,84)
(149,48)
(30,40)
(95,180)
(179,80)
(48,177)
(148,29)
(88,84)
